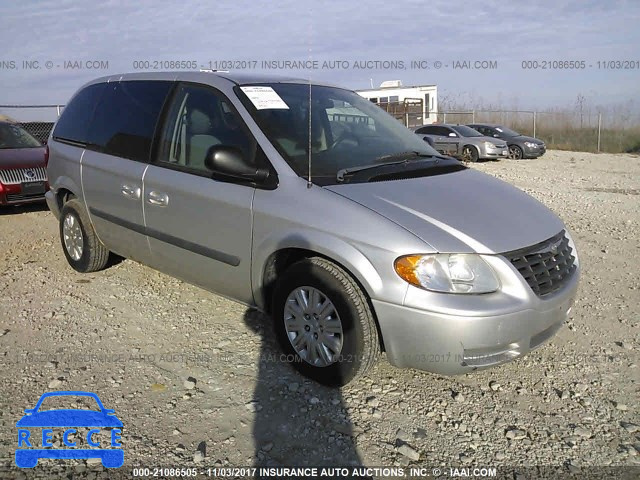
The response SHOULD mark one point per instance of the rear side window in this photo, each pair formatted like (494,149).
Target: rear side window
(75,118)
(429,130)
(126,118)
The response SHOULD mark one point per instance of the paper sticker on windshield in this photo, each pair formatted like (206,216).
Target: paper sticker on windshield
(264,98)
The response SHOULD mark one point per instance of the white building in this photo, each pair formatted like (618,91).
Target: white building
(414,105)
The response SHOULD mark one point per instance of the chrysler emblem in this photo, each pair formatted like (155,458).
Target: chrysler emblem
(29,174)
(554,248)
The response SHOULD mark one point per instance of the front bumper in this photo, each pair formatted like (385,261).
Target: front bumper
(500,152)
(12,194)
(535,152)
(451,344)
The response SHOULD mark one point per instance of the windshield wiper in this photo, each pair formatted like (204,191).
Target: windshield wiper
(402,158)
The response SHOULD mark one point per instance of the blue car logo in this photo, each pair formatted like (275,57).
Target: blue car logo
(30,448)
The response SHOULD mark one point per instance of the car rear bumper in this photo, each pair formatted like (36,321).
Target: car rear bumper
(456,344)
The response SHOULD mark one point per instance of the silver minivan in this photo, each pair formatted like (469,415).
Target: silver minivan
(311,204)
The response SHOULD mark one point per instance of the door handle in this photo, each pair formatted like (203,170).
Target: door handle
(158,198)
(130,191)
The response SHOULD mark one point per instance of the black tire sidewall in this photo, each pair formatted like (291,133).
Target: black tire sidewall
(82,264)
(473,157)
(308,274)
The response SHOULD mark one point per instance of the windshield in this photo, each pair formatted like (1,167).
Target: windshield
(14,136)
(507,132)
(465,131)
(347,131)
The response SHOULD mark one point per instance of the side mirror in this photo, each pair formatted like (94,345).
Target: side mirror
(452,134)
(429,141)
(496,135)
(229,161)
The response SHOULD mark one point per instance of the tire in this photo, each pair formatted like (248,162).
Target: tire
(353,348)
(515,152)
(469,154)
(89,254)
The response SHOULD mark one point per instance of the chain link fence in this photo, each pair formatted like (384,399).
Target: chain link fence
(593,132)
(38,120)
(564,130)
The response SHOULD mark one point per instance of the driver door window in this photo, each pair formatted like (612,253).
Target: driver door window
(198,119)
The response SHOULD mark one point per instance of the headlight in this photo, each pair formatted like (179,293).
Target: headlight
(489,145)
(531,144)
(449,273)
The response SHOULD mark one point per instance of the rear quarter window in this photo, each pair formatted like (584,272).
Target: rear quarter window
(126,118)
(76,116)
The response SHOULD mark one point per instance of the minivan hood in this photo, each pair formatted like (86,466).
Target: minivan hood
(461,212)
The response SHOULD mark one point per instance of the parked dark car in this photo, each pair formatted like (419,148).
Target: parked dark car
(462,142)
(23,177)
(520,146)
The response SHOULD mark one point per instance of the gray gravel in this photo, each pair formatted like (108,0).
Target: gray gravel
(196,379)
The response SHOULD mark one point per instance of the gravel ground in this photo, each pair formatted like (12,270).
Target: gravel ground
(196,379)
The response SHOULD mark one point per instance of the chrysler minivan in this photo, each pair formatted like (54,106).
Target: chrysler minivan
(313,205)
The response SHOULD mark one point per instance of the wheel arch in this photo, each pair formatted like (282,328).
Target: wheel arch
(65,189)
(475,147)
(353,262)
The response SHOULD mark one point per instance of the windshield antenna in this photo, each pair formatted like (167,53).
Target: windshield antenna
(309,184)
(309,147)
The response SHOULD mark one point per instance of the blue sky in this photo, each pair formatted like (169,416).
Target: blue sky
(441,30)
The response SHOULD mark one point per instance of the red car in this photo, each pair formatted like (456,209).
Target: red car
(23,175)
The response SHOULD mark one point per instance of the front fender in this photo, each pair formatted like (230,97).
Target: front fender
(330,246)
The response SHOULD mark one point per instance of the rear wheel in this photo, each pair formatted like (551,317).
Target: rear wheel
(324,323)
(469,154)
(515,152)
(80,244)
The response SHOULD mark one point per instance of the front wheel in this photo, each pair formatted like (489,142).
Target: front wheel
(469,154)
(515,152)
(324,323)
(82,248)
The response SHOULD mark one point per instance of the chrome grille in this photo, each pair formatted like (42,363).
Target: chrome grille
(20,175)
(547,266)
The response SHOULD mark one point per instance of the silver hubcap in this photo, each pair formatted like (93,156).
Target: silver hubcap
(466,154)
(72,236)
(313,326)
